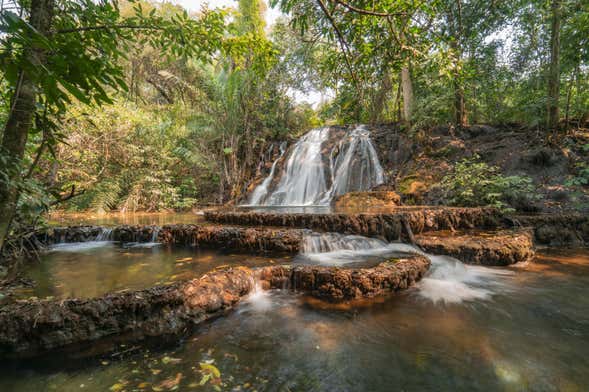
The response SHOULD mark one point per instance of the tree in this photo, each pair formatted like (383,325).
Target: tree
(69,49)
(554,72)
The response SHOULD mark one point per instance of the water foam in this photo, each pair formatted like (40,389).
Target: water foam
(447,281)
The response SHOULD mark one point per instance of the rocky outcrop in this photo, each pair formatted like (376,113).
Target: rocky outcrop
(499,248)
(33,327)
(557,230)
(207,236)
(389,226)
(337,284)
(364,201)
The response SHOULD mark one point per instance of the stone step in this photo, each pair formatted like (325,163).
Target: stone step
(492,248)
(390,226)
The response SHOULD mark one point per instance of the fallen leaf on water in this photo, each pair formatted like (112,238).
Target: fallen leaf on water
(117,387)
(167,360)
(156,371)
(170,383)
(143,385)
(208,368)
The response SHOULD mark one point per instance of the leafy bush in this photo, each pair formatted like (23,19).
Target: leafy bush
(475,183)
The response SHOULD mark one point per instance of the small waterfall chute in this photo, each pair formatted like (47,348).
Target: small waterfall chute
(104,235)
(261,191)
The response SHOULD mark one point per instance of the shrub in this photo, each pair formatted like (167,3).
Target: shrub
(475,183)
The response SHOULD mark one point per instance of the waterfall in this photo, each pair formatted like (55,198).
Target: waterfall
(104,235)
(313,176)
(259,194)
(154,234)
(303,179)
(354,165)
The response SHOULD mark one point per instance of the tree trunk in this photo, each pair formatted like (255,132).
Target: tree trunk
(554,73)
(459,105)
(407,94)
(20,117)
(380,98)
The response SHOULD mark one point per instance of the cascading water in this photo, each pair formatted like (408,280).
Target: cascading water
(262,190)
(448,280)
(104,235)
(354,165)
(313,176)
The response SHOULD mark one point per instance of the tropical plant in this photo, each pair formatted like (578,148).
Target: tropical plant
(475,183)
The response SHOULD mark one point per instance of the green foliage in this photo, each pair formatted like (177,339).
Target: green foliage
(130,158)
(475,183)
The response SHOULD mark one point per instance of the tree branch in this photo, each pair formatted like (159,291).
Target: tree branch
(341,40)
(368,12)
(71,195)
(107,27)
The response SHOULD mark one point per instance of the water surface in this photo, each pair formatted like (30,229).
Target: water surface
(529,333)
(91,269)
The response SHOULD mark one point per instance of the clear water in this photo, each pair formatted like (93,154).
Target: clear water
(90,269)
(530,333)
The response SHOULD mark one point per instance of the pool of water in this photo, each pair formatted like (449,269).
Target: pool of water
(529,331)
(90,269)
(116,218)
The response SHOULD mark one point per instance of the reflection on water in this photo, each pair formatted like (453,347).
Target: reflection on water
(90,269)
(532,334)
(117,218)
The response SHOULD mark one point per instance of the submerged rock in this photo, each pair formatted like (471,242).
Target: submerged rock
(499,248)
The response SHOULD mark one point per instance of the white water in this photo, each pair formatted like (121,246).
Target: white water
(447,281)
(339,249)
(259,300)
(261,190)
(79,246)
(312,176)
(451,281)
(354,165)
(104,235)
(154,236)
(102,239)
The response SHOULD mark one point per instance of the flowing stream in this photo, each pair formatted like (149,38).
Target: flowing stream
(313,174)
(530,333)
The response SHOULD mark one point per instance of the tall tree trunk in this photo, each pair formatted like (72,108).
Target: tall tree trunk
(380,98)
(407,88)
(455,24)
(459,105)
(554,73)
(20,117)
